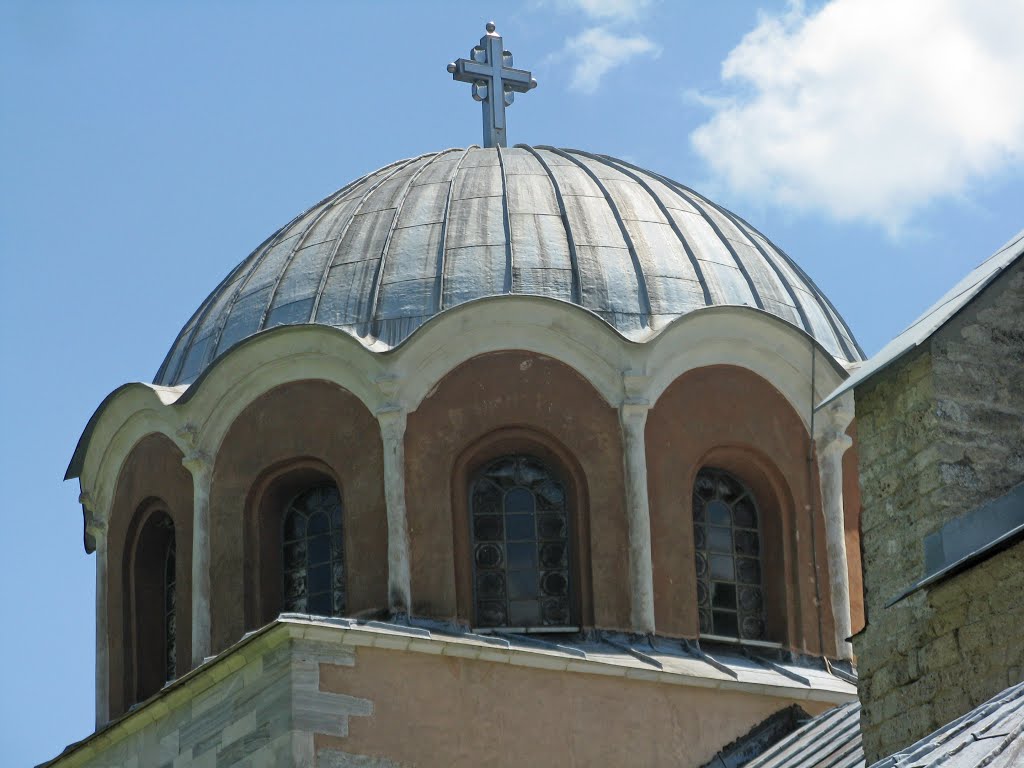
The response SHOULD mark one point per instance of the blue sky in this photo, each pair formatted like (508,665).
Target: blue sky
(146,148)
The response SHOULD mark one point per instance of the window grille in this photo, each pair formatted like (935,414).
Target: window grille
(520,546)
(727,544)
(313,553)
(170,605)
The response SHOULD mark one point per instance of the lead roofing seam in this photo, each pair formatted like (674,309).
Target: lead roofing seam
(815,291)
(694,262)
(728,214)
(439,298)
(577,285)
(298,245)
(750,232)
(261,249)
(641,280)
(506,222)
(318,296)
(222,322)
(378,273)
(726,242)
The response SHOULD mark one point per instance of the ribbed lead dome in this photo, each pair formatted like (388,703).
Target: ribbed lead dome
(383,255)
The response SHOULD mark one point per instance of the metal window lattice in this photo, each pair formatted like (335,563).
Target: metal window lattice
(520,541)
(313,553)
(170,605)
(727,552)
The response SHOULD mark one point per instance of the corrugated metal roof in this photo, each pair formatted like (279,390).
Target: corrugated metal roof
(830,740)
(936,315)
(386,253)
(991,735)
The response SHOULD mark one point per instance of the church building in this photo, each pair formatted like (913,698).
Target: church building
(497,455)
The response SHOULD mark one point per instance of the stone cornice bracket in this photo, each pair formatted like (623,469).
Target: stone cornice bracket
(633,418)
(95,521)
(392,420)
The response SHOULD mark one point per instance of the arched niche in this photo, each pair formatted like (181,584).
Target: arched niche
(562,464)
(151,639)
(152,481)
(729,418)
(480,405)
(302,431)
(265,515)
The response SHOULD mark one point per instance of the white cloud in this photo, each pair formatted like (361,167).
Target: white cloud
(598,50)
(608,9)
(869,109)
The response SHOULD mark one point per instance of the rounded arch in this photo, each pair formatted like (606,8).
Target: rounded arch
(309,427)
(553,454)
(773,496)
(150,613)
(264,516)
(543,326)
(498,391)
(152,479)
(772,349)
(728,417)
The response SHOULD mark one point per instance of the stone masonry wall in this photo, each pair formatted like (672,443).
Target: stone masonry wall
(941,432)
(259,709)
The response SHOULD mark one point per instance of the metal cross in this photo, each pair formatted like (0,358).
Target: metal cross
(495,82)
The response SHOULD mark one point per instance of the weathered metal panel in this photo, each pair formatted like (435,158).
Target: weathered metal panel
(365,237)
(244,319)
(473,272)
(539,241)
(424,204)
(346,297)
(476,221)
(505,228)
(608,280)
(531,194)
(481,181)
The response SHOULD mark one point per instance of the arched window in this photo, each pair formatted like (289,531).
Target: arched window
(152,622)
(313,556)
(727,544)
(170,605)
(519,532)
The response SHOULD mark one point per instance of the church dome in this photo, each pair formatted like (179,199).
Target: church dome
(384,254)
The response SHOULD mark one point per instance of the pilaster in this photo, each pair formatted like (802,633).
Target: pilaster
(392,420)
(96,532)
(633,420)
(831,442)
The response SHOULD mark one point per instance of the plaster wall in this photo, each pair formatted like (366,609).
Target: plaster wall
(448,711)
(550,409)
(730,418)
(296,427)
(941,432)
(151,478)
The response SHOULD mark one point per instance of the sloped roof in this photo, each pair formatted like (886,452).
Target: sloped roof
(991,735)
(936,315)
(830,740)
(384,254)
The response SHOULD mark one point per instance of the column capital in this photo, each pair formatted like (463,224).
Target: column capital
(198,463)
(95,520)
(392,418)
(831,423)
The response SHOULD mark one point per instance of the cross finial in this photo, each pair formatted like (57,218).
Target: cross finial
(495,82)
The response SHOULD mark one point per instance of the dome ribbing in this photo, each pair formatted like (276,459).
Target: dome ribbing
(386,253)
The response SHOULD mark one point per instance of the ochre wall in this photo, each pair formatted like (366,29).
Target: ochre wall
(544,407)
(730,418)
(152,478)
(295,427)
(431,710)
